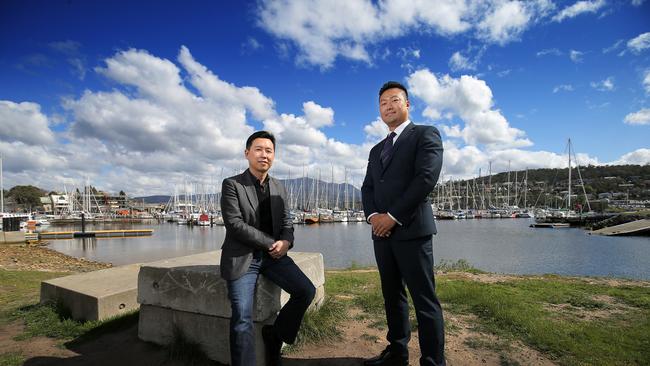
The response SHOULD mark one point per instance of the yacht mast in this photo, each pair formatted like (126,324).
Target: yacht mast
(569,200)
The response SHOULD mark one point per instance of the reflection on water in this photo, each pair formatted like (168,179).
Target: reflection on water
(506,245)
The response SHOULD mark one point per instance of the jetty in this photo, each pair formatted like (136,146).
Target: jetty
(550,225)
(94,234)
(638,227)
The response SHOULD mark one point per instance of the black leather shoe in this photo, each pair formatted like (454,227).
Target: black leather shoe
(272,346)
(387,358)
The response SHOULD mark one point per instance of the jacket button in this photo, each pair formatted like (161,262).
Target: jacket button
(381,181)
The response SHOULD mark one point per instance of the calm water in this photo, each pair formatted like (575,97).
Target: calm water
(506,246)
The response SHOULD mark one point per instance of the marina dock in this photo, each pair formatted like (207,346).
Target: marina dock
(639,227)
(94,234)
(550,225)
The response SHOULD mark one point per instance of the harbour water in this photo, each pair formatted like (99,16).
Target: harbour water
(503,246)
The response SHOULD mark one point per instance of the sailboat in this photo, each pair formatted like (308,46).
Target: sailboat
(567,213)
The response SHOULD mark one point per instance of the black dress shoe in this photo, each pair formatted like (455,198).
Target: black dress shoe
(387,357)
(272,346)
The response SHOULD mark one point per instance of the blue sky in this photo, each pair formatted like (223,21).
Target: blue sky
(142,96)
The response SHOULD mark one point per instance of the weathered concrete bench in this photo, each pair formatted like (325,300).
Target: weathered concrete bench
(95,295)
(186,297)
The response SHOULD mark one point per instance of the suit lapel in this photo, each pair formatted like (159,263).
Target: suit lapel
(276,215)
(249,187)
(399,142)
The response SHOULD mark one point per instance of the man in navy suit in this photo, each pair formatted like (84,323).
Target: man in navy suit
(402,170)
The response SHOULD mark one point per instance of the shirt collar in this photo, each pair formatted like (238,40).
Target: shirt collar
(257,181)
(400,129)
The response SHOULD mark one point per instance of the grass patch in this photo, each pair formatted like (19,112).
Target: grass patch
(19,296)
(460,265)
(321,325)
(53,321)
(11,359)
(516,309)
(19,289)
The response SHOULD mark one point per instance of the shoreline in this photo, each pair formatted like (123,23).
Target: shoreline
(37,257)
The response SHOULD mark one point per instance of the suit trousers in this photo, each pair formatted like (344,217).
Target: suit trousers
(411,262)
(284,273)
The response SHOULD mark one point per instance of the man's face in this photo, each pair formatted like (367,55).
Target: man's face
(260,155)
(393,107)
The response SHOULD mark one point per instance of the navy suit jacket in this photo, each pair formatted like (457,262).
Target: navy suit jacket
(401,186)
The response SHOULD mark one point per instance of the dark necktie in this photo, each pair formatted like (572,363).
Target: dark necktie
(387,149)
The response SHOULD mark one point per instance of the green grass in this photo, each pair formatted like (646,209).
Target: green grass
(550,313)
(519,309)
(523,310)
(321,325)
(19,296)
(19,289)
(11,359)
(460,265)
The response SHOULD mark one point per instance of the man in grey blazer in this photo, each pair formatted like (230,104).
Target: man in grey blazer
(402,170)
(259,232)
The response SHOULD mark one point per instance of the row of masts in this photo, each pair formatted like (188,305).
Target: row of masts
(481,194)
(477,194)
(304,194)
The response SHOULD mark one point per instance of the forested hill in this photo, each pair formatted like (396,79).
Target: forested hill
(633,179)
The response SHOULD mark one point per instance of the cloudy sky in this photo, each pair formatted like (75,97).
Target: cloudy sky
(141,96)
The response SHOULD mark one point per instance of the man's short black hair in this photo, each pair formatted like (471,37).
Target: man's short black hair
(391,85)
(260,135)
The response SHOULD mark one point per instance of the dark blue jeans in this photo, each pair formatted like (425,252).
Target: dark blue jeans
(284,273)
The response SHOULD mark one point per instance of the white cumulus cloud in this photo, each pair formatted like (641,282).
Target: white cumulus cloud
(471,100)
(563,87)
(578,8)
(639,43)
(323,30)
(636,157)
(604,85)
(458,62)
(505,22)
(24,122)
(641,117)
(162,123)
(576,56)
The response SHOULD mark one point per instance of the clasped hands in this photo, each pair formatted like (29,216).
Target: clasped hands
(382,224)
(279,249)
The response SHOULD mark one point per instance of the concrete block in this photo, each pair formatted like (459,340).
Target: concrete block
(158,325)
(95,295)
(193,284)
(12,237)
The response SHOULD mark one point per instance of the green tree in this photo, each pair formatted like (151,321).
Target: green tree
(27,196)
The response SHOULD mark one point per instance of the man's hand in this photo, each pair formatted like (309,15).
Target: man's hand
(279,249)
(382,224)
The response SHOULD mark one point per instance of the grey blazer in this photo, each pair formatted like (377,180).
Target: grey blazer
(239,206)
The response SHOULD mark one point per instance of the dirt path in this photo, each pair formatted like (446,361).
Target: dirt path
(463,346)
